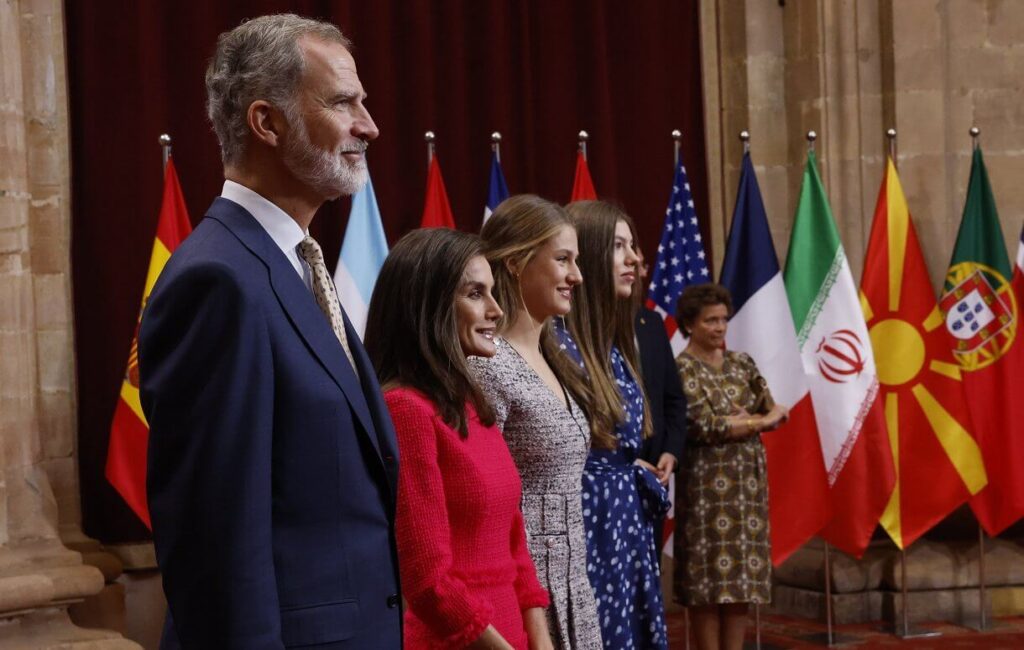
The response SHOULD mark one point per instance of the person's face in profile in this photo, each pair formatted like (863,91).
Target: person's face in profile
(326,145)
(549,277)
(476,312)
(624,261)
(707,331)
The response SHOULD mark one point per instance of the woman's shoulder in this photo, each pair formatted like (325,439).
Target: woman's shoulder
(740,358)
(406,400)
(503,358)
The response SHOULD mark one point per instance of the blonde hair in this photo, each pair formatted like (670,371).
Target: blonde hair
(600,319)
(521,225)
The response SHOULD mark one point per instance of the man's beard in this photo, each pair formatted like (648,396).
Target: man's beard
(328,173)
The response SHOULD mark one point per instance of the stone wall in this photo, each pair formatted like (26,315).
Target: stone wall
(850,70)
(39,504)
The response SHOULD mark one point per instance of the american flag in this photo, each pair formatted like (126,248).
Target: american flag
(681,259)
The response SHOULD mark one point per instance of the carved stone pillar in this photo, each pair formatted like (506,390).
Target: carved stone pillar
(39,576)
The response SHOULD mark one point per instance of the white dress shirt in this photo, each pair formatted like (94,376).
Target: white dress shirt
(285,232)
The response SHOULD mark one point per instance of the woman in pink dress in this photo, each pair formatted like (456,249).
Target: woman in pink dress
(467,576)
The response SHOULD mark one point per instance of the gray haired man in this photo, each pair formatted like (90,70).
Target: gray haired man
(272,458)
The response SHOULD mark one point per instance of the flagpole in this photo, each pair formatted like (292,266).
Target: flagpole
(907,632)
(165,145)
(745,139)
(582,138)
(677,145)
(429,138)
(496,145)
(811,137)
(975,134)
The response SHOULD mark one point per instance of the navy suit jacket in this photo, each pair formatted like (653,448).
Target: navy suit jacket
(663,387)
(272,466)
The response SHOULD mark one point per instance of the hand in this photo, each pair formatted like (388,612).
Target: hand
(774,418)
(491,639)
(666,465)
(650,468)
(536,624)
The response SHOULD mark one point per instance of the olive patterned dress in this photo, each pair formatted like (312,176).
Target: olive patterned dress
(721,543)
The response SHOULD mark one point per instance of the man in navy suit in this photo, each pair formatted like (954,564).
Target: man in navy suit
(272,459)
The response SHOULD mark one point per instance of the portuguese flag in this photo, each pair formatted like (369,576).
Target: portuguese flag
(938,461)
(983,316)
(129,432)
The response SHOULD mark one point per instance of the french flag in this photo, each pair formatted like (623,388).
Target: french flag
(762,326)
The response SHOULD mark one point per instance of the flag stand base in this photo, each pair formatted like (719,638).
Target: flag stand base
(909,632)
(834,640)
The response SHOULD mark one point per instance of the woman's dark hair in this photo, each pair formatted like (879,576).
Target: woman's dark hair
(600,319)
(695,298)
(411,329)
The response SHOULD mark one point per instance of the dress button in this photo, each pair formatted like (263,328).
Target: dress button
(550,543)
(393,601)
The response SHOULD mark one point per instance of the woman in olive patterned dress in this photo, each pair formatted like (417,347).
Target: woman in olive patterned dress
(722,550)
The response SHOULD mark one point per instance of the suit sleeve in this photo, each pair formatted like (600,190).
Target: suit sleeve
(674,403)
(435,594)
(207,392)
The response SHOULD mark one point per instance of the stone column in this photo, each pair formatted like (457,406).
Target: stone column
(39,576)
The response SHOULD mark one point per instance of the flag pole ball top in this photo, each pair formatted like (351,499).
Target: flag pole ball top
(164,139)
(745,136)
(811,136)
(495,137)
(429,136)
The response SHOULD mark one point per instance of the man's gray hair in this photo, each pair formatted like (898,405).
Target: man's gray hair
(259,59)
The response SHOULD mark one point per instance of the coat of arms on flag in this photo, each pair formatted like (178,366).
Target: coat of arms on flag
(981,318)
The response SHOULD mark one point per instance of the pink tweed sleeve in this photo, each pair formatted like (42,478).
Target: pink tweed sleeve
(435,595)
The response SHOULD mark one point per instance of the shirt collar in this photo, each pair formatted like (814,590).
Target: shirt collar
(285,232)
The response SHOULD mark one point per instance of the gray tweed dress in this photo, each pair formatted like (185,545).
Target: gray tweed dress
(549,444)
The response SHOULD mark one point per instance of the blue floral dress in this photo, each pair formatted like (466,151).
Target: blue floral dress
(621,502)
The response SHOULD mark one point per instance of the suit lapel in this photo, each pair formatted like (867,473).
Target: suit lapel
(301,308)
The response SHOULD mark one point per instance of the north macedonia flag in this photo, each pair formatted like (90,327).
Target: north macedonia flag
(938,462)
(129,432)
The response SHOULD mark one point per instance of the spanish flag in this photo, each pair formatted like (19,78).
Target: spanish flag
(938,461)
(129,432)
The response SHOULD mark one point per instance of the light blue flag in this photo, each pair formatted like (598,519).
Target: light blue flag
(362,254)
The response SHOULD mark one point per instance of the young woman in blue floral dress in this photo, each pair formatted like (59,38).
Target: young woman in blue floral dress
(622,497)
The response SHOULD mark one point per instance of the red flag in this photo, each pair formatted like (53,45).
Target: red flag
(437,213)
(938,461)
(582,185)
(129,432)
(992,359)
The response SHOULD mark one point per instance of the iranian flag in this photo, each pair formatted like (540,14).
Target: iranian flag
(840,369)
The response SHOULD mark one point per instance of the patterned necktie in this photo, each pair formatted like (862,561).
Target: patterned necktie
(325,294)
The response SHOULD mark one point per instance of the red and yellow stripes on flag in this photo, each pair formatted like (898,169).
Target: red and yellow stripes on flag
(129,432)
(938,461)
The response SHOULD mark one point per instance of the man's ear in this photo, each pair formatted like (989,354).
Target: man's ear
(266,122)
